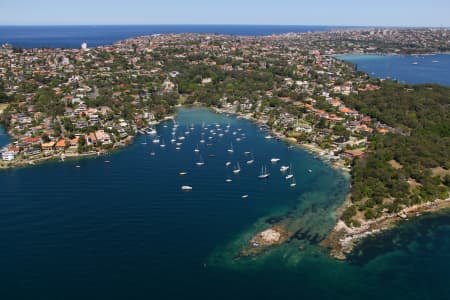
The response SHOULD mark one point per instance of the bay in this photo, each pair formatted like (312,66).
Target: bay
(4,138)
(411,69)
(123,229)
(119,227)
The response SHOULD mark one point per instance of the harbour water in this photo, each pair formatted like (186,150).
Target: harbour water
(4,138)
(412,69)
(120,227)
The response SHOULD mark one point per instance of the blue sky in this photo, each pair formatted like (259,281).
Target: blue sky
(283,12)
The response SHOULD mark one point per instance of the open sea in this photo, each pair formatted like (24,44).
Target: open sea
(73,36)
(120,227)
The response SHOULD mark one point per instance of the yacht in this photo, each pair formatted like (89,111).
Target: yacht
(237,169)
(151,131)
(163,145)
(200,162)
(244,196)
(250,161)
(186,188)
(182,173)
(156,141)
(227,164)
(196,149)
(228,180)
(264,174)
(293,183)
(284,168)
(274,160)
(290,175)
(231,150)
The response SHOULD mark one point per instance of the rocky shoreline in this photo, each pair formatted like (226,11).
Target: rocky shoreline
(342,240)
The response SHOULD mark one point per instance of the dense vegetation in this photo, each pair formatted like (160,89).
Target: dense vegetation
(402,168)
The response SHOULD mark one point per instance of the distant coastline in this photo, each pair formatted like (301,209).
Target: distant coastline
(104,35)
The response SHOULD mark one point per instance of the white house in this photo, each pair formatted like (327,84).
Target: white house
(8,155)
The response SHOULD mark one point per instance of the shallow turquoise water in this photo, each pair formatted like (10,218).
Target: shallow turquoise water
(408,69)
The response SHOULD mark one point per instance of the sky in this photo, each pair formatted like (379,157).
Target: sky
(431,13)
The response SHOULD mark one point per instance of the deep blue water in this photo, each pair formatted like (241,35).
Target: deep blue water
(406,69)
(125,230)
(4,138)
(73,36)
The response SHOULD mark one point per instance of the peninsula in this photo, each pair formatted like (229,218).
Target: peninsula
(392,138)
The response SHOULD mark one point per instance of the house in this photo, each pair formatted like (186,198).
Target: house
(91,139)
(168,85)
(74,142)
(103,137)
(353,153)
(48,146)
(8,155)
(60,145)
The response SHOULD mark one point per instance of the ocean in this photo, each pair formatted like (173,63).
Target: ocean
(73,36)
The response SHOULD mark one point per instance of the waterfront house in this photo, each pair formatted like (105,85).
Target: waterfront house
(61,145)
(8,155)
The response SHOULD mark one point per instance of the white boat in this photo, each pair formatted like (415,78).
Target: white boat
(181,138)
(231,150)
(177,148)
(264,174)
(228,180)
(196,149)
(244,196)
(182,173)
(156,141)
(290,175)
(268,137)
(163,145)
(238,139)
(284,168)
(186,188)
(247,152)
(152,131)
(415,63)
(250,161)
(173,141)
(274,160)
(152,153)
(310,171)
(227,164)
(237,169)
(293,183)
(200,162)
